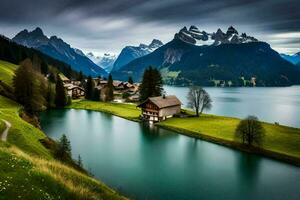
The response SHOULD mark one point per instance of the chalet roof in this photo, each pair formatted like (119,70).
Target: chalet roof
(163,102)
(117,83)
(103,82)
(70,86)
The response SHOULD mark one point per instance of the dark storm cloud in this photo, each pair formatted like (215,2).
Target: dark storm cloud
(255,16)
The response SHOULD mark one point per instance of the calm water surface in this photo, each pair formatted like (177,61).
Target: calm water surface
(277,104)
(150,163)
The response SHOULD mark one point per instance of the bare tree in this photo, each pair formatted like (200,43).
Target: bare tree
(250,130)
(199,100)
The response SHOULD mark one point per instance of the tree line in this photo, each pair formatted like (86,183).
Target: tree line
(35,91)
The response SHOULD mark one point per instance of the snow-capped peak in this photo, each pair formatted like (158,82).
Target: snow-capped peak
(105,61)
(152,46)
(78,51)
(155,44)
(196,37)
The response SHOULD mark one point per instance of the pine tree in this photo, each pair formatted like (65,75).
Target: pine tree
(157,85)
(28,86)
(52,77)
(50,98)
(130,80)
(60,96)
(80,76)
(79,162)
(96,95)
(89,88)
(110,89)
(63,151)
(44,68)
(152,84)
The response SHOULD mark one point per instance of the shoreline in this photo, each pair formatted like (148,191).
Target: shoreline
(235,145)
(193,134)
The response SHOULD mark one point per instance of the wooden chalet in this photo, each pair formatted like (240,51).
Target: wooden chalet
(156,109)
(74,91)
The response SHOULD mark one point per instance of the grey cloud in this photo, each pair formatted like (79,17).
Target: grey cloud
(98,20)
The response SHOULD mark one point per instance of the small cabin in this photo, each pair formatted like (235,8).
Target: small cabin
(156,109)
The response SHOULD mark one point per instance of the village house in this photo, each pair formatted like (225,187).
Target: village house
(156,109)
(74,91)
(73,88)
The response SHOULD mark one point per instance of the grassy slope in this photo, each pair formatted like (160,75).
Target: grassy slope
(2,127)
(23,135)
(278,139)
(28,170)
(23,176)
(7,72)
(127,111)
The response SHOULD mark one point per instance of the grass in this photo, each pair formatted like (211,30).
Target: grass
(7,71)
(23,176)
(28,170)
(127,111)
(2,127)
(278,139)
(280,142)
(22,134)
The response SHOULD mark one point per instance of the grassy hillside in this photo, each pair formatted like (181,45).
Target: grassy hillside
(7,72)
(28,170)
(2,126)
(22,134)
(23,176)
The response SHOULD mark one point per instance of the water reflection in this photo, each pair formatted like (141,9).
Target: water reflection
(251,163)
(152,163)
(228,99)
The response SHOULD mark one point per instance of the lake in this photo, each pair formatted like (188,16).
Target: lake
(270,104)
(146,162)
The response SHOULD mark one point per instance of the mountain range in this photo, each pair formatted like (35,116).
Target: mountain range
(196,37)
(106,61)
(192,57)
(295,58)
(129,53)
(198,57)
(58,49)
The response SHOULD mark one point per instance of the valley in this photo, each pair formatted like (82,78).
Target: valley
(160,100)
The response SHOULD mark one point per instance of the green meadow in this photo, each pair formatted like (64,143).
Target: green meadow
(280,142)
(7,71)
(279,139)
(127,111)
(28,170)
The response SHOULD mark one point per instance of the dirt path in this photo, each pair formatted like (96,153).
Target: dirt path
(5,132)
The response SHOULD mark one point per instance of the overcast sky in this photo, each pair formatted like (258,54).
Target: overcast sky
(109,25)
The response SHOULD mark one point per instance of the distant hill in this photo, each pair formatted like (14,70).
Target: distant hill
(229,59)
(295,58)
(130,53)
(58,49)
